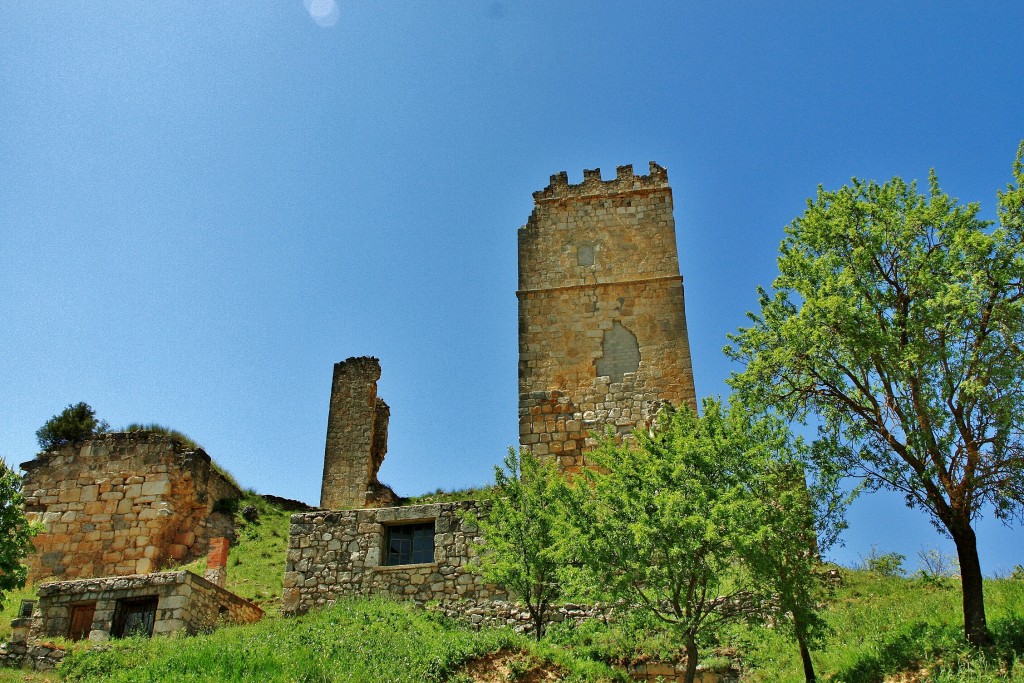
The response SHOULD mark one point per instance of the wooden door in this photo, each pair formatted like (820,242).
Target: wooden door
(81,620)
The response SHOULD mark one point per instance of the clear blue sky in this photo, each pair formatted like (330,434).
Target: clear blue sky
(203,206)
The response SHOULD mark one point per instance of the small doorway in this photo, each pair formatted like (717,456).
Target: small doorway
(81,620)
(134,617)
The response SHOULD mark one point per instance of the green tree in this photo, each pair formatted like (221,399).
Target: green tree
(796,512)
(520,549)
(670,525)
(15,532)
(897,320)
(73,424)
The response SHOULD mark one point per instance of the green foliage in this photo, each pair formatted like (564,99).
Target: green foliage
(73,424)
(704,522)
(936,568)
(883,564)
(520,549)
(15,532)
(898,320)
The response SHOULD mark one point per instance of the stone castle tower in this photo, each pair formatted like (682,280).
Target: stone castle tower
(357,438)
(602,325)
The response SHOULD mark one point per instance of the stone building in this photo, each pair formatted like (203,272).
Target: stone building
(602,323)
(357,439)
(122,503)
(419,552)
(142,604)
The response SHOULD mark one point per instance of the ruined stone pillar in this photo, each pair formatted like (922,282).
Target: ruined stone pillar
(602,323)
(357,434)
(217,562)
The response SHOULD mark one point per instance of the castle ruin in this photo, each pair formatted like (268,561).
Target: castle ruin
(602,341)
(122,503)
(602,323)
(357,439)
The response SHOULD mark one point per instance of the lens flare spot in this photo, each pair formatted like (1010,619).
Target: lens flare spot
(323,12)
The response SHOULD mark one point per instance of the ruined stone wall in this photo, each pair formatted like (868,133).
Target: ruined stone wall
(122,503)
(602,321)
(186,603)
(342,553)
(357,438)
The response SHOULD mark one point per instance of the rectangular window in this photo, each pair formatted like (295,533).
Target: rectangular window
(410,543)
(134,617)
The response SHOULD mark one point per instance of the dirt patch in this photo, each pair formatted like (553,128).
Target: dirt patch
(918,676)
(504,666)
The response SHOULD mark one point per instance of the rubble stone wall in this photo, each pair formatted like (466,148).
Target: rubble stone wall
(602,321)
(122,503)
(332,554)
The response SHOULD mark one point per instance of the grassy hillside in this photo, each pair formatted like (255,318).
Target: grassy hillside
(881,627)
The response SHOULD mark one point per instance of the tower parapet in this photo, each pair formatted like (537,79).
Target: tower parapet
(624,181)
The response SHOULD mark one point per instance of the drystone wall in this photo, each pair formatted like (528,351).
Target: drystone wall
(332,554)
(34,656)
(186,602)
(122,503)
(602,321)
(357,438)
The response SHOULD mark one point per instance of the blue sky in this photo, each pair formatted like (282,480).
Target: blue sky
(204,206)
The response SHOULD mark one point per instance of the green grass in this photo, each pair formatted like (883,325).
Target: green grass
(443,496)
(256,561)
(356,641)
(886,625)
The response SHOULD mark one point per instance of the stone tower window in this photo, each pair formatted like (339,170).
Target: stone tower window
(585,255)
(621,353)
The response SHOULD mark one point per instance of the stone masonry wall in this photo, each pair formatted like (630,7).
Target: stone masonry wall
(186,603)
(332,554)
(357,436)
(122,503)
(602,321)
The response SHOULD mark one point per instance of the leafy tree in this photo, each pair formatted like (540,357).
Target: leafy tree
(520,549)
(797,511)
(75,423)
(15,532)
(897,320)
(670,524)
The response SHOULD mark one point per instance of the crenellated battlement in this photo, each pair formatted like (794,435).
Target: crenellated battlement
(625,180)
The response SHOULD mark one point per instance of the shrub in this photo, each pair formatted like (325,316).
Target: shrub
(883,564)
(75,423)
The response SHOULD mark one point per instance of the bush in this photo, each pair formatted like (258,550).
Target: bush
(75,423)
(883,564)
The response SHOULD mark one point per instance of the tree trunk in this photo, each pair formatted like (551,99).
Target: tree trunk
(538,621)
(975,626)
(691,660)
(805,657)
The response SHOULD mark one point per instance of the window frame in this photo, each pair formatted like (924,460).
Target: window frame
(418,552)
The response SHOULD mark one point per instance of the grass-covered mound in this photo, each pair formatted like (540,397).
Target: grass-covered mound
(356,641)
